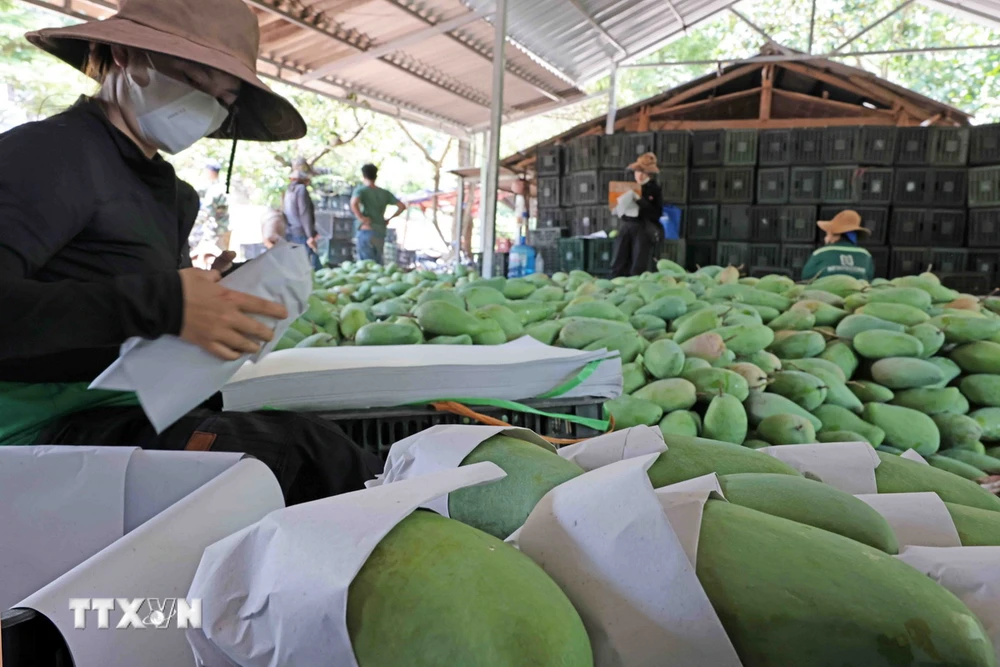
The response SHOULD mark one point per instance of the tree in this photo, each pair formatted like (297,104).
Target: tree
(436,164)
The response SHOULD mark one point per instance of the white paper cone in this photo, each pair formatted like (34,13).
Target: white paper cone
(617,446)
(684,505)
(911,454)
(918,519)
(848,466)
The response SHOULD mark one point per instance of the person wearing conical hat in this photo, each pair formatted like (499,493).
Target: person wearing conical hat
(639,234)
(841,252)
(94,228)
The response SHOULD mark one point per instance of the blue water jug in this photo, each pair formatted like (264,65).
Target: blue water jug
(671,221)
(522,260)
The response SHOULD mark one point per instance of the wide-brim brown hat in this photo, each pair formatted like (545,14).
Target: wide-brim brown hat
(645,163)
(843,222)
(222,34)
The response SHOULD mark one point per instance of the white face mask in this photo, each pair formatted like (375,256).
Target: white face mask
(172,115)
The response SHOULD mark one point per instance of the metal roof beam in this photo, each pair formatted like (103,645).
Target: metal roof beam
(755,27)
(395,45)
(876,24)
(622,51)
(677,14)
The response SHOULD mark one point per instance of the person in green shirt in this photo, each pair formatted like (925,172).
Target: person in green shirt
(841,252)
(368,202)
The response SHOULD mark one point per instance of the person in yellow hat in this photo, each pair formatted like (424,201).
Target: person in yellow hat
(94,228)
(841,252)
(639,234)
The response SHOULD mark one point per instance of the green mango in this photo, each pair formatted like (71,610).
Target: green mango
(929,336)
(793,320)
(880,344)
(811,503)
(681,422)
(842,436)
(726,420)
(509,321)
(932,401)
(905,373)
(895,312)
(630,305)
(824,314)
(697,324)
(317,340)
(989,421)
(750,296)
(980,357)
(982,461)
(852,325)
(491,333)
(352,318)
(960,330)
(841,285)
(629,411)
(755,377)
(976,527)
(746,340)
(837,392)
(581,332)
(687,458)
(711,382)
(982,390)
(825,297)
(865,610)
(842,355)
(708,346)
(518,288)
(633,377)
(317,311)
(544,332)
(477,296)
(836,418)
(762,405)
(502,507)
(290,339)
(805,389)
(669,395)
(797,344)
(451,340)
(384,333)
(601,310)
(530,312)
(428,571)
(786,429)
(439,317)
(666,308)
(904,428)
(887,449)
(664,359)
(628,344)
(910,296)
(765,361)
(959,431)
(649,326)
(956,467)
(870,392)
(548,293)
(392,308)
(949,371)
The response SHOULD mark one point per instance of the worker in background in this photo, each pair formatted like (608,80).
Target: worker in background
(300,213)
(368,202)
(639,234)
(102,257)
(841,252)
(273,228)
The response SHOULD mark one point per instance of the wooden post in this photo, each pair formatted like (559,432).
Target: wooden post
(643,119)
(766,89)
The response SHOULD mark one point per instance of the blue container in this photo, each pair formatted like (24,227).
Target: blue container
(671,221)
(522,260)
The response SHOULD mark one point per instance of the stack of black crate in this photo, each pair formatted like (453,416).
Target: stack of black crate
(335,226)
(551,167)
(984,205)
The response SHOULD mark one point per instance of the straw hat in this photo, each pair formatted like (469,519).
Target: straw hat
(222,34)
(843,222)
(645,163)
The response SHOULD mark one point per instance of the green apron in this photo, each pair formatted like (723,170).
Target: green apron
(840,258)
(27,408)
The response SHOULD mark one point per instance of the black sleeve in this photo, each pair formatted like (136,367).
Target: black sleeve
(47,196)
(187,212)
(651,201)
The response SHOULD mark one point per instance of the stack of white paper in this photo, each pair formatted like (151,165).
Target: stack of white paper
(342,378)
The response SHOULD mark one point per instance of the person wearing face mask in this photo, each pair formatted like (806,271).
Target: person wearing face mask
(639,234)
(93,242)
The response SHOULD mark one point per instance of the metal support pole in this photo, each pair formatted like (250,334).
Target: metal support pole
(874,25)
(812,25)
(609,127)
(456,240)
(491,164)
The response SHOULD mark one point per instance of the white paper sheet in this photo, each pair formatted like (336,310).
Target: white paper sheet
(918,519)
(60,505)
(605,449)
(684,505)
(972,574)
(442,447)
(605,539)
(911,454)
(276,592)
(626,205)
(171,376)
(156,560)
(848,466)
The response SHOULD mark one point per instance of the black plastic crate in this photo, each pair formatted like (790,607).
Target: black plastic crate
(698,254)
(701,223)
(704,186)
(984,145)
(841,185)
(674,185)
(876,186)
(605,178)
(913,186)
(673,249)
(967,282)
(549,161)
(774,148)
(772,185)
(910,226)
(547,259)
(730,253)
(949,187)
(572,254)
(549,192)
(673,149)
(586,188)
(586,220)
(766,224)
(554,217)
(566,191)
(878,145)
(795,255)
(807,185)
(880,258)
(335,225)
(913,146)
(340,251)
(949,146)
(546,237)
(987,262)
(613,154)
(984,227)
(741,148)
(807,146)
(763,254)
(841,145)
(947,228)
(949,260)
(798,224)
(737,185)
(635,144)
(600,254)
(908,261)
(735,222)
(708,148)
(585,153)
(984,187)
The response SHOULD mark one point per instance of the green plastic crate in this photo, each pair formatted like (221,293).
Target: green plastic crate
(572,255)
(600,254)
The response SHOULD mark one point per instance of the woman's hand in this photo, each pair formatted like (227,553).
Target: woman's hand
(217,319)
(224,262)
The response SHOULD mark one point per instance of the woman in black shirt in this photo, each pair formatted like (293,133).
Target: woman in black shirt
(639,235)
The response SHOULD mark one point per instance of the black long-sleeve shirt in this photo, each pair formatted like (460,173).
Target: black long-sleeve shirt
(650,202)
(92,234)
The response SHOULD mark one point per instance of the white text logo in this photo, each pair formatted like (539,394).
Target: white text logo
(137,613)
